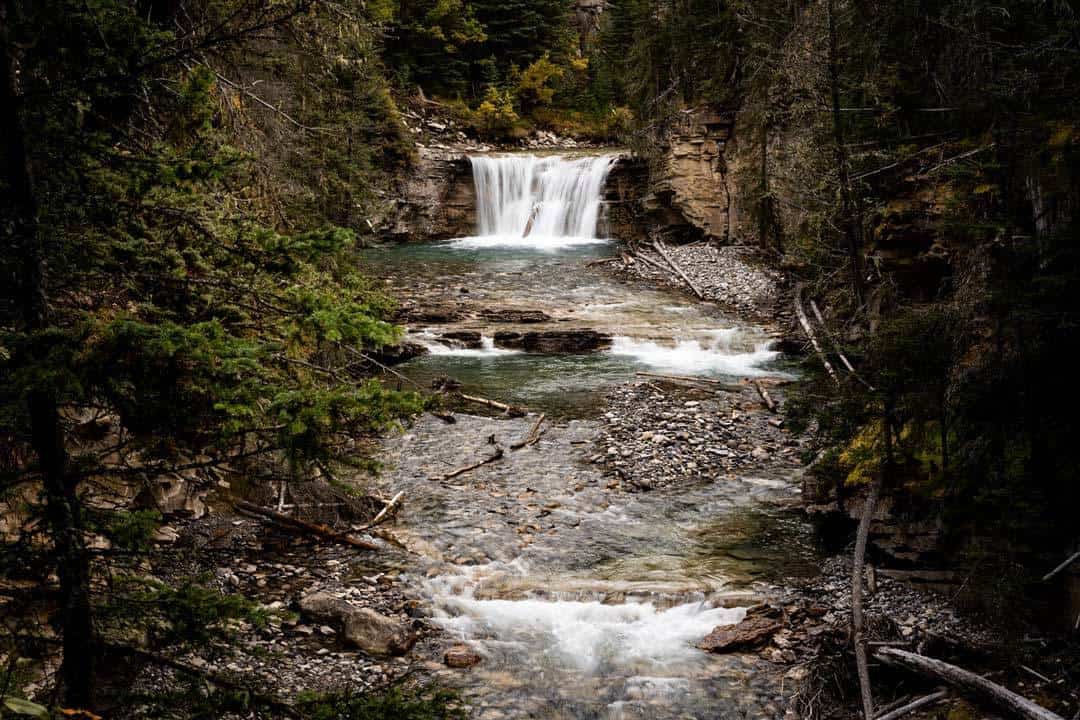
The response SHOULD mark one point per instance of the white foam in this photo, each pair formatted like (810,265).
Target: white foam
(436,347)
(587,634)
(582,635)
(541,243)
(690,357)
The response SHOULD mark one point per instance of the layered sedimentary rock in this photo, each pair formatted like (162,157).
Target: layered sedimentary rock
(688,194)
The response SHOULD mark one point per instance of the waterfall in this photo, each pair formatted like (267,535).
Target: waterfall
(539,199)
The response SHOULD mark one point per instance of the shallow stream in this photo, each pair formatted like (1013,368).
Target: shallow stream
(584,600)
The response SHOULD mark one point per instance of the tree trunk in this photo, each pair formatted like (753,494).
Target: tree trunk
(861,538)
(62,503)
(847,205)
(65,522)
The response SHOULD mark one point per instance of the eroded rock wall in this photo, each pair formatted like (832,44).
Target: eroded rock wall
(436,200)
(689,197)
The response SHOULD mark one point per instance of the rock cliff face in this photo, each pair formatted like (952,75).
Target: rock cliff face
(689,197)
(436,200)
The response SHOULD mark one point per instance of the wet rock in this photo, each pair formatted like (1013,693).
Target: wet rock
(429,315)
(461,656)
(509,339)
(514,316)
(759,625)
(564,341)
(464,338)
(371,632)
(394,354)
(166,534)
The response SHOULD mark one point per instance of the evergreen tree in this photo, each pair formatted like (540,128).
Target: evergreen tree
(134,291)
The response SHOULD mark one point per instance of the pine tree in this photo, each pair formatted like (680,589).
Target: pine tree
(134,292)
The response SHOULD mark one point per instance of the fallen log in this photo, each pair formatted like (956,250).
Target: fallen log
(649,261)
(383,514)
(836,346)
(678,270)
(805,322)
(913,705)
(494,404)
(765,397)
(313,528)
(533,436)
(462,470)
(1017,705)
(1068,561)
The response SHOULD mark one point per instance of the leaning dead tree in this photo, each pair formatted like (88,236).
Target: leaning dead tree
(1016,705)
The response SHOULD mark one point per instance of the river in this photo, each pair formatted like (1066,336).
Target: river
(584,599)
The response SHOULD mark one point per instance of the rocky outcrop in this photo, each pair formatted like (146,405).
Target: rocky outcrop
(437,199)
(757,628)
(394,354)
(461,656)
(373,633)
(553,342)
(464,338)
(688,191)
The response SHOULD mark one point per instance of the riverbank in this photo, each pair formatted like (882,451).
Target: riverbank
(803,628)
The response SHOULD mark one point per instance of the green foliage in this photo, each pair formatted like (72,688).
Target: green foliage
(654,54)
(496,112)
(189,613)
(459,48)
(534,87)
(129,530)
(156,292)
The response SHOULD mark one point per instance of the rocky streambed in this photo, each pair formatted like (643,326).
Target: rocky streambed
(572,561)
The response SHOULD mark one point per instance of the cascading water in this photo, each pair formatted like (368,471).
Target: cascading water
(581,601)
(543,202)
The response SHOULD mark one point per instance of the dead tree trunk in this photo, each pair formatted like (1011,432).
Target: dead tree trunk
(1016,705)
(857,621)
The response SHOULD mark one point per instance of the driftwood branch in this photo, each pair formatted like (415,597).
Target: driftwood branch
(957,158)
(493,404)
(913,705)
(800,312)
(533,436)
(312,528)
(1016,705)
(384,514)
(462,470)
(649,261)
(836,346)
(678,270)
(765,397)
(1068,561)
